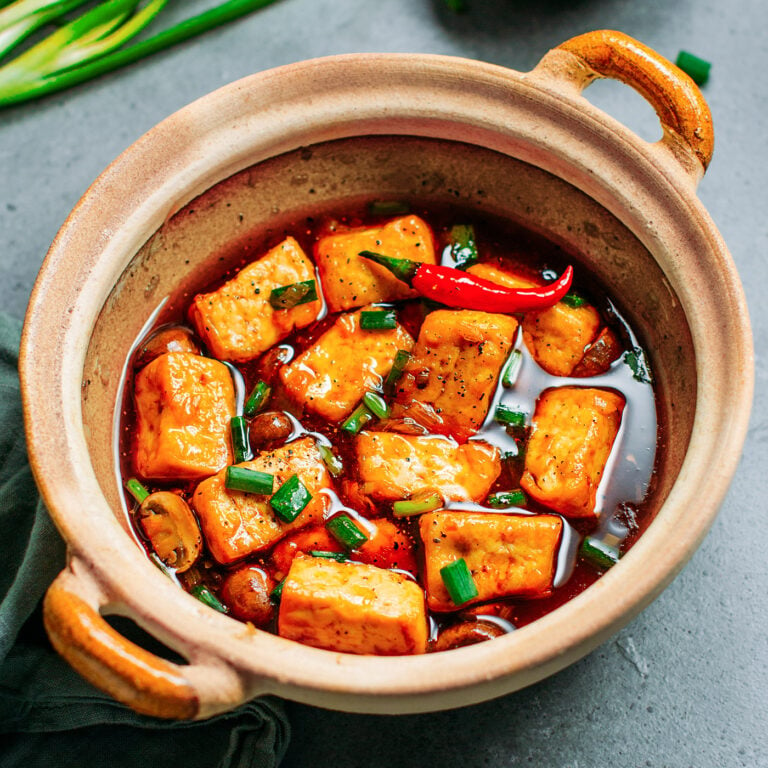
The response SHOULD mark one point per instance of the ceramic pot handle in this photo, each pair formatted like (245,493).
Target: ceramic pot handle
(678,102)
(145,682)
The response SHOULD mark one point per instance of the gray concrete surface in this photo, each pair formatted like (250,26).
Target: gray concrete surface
(684,685)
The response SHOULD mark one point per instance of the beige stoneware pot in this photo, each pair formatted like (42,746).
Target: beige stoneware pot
(260,153)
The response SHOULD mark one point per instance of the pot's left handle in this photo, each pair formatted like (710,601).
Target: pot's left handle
(143,681)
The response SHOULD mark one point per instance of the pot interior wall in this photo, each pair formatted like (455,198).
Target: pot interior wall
(194,247)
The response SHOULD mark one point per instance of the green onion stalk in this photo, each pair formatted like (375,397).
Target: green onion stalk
(91,44)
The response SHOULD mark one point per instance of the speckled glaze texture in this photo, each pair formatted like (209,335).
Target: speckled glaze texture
(261,152)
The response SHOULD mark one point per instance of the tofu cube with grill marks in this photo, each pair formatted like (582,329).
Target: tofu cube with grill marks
(448,384)
(507,555)
(237,322)
(237,524)
(556,337)
(351,281)
(352,608)
(184,403)
(331,377)
(392,466)
(573,430)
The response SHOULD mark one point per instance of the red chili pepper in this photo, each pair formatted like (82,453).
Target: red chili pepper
(457,289)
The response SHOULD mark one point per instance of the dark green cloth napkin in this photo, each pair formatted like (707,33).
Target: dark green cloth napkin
(49,715)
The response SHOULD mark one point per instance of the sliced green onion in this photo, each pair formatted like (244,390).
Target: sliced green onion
(503,499)
(257,399)
(136,489)
(463,245)
(376,404)
(331,460)
(204,595)
(289,296)
(277,592)
(387,207)
(637,364)
(459,582)
(506,415)
(398,366)
(339,557)
(357,419)
(249,481)
(344,529)
(378,320)
(697,69)
(290,499)
(598,553)
(512,369)
(417,505)
(573,300)
(241,445)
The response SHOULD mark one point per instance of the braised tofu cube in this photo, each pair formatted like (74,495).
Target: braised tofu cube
(448,383)
(555,337)
(352,608)
(237,524)
(184,403)
(237,322)
(573,430)
(507,555)
(392,466)
(351,281)
(331,377)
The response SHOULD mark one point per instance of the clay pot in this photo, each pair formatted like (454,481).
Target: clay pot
(272,147)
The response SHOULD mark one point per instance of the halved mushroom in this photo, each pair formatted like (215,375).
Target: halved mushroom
(467,633)
(170,526)
(173,338)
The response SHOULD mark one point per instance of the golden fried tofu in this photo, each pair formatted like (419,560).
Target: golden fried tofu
(392,466)
(556,337)
(352,608)
(237,322)
(184,403)
(351,281)
(330,377)
(506,554)
(237,524)
(573,429)
(448,383)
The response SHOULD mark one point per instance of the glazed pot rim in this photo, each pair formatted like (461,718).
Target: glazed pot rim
(469,101)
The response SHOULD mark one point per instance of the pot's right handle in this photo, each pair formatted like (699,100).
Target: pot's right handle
(684,115)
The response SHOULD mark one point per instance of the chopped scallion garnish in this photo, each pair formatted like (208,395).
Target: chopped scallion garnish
(257,399)
(512,369)
(289,296)
(376,404)
(249,481)
(388,207)
(506,415)
(344,529)
(598,553)
(417,505)
(277,592)
(503,499)
(204,595)
(331,460)
(136,489)
(697,69)
(241,445)
(357,419)
(339,557)
(378,320)
(459,582)
(463,245)
(573,300)
(398,366)
(290,499)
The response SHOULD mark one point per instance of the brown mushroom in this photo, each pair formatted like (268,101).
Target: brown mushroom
(466,633)
(269,429)
(168,523)
(246,593)
(599,354)
(174,338)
